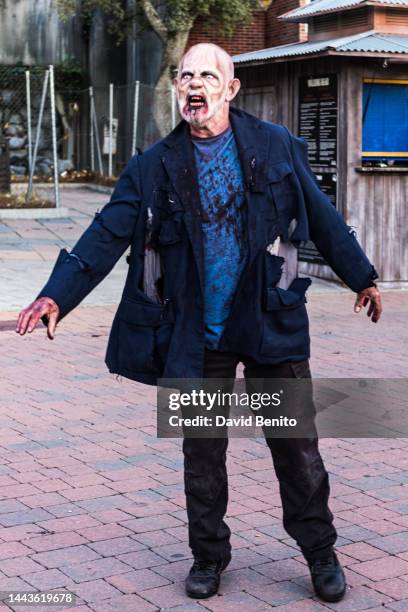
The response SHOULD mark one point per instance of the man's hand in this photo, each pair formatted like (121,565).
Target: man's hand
(29,317)
(372,295)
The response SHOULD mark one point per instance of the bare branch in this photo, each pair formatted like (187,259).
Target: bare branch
(154,19)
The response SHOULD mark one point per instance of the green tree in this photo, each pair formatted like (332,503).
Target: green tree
(171,20)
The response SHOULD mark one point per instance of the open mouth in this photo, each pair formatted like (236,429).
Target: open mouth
(195,102)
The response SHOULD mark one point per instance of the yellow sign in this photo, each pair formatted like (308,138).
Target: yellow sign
(265,4)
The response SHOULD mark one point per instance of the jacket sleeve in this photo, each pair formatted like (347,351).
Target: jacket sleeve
(77,273)
(334,239)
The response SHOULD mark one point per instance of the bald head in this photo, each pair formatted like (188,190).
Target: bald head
(210,51)
(205,86)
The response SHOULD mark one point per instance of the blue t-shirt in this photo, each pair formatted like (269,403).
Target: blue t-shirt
(221,187)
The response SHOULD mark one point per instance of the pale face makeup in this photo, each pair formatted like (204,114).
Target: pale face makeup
(205,86)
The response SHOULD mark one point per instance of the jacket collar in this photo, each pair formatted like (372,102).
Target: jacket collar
(252,142)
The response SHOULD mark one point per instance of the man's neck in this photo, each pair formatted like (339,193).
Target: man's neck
(214,128)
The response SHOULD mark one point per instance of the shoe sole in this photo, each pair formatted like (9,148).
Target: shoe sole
(194,596)
(332,599)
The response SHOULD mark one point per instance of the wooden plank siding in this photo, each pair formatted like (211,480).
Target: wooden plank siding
(375,202)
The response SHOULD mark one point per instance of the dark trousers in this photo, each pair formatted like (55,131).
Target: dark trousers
(303,480)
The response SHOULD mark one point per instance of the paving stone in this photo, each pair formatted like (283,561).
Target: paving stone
(285,569)
(116,546)
(166,596)
(276,550)
(380,569)
(19,566)
(398,606)
(55,541)
(123,603)
(142,559)
(174,552)
(9,550)
(303,605)
(12,505)
(137,581)
(362,551)
(95,590)
(141,525)
(24,516)
(175,572)
(235,602)
(92,570)
(242,580)
(279,593)
(393,587)
(393,544)
(360,598)
(65,556)
(103,532)
(14,584)
(47,579)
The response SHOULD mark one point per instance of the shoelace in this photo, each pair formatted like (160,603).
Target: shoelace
(204,567)
(327,563)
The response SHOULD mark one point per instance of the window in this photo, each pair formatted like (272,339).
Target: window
(385,121)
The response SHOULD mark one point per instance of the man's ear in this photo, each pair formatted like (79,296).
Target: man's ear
(233,88)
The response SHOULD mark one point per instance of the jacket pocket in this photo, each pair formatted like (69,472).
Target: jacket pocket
(283,194)
(144,334)
(285,321)
(167,202)
(170,232)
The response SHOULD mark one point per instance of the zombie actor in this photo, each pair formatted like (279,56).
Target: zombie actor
(227,199)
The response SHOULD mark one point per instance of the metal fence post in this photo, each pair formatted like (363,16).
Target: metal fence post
(91,129)
(95,127)
(37,136)
(110,128)
(54,137)
(135,116)
(173,107)
(29,135)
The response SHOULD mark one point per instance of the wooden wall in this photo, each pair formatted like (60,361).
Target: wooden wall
(375,201)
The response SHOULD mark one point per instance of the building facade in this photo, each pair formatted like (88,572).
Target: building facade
(345,90)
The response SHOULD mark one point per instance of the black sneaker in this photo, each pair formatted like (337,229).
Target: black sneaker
(328,578)
(203,579)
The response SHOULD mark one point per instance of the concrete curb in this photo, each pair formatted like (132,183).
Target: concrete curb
(100,188)
(34,213)
(22,187)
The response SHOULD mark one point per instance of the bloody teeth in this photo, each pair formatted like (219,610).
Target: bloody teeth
(196,102)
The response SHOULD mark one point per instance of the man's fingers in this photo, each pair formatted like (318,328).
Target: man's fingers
(361,302)
(35,317)
(24,320)
(19,320)
(377,308)
(29,318)
(52,324)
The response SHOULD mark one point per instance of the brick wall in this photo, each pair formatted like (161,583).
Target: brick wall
(264,30)
(281,33)
(246,38)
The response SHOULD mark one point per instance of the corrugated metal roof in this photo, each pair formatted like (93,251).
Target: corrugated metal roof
(365,42)
(321,7)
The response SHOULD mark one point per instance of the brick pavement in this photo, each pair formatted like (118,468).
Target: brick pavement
(28,248)
(92,501)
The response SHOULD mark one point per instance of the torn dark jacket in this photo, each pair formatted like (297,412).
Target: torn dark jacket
(149,340)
